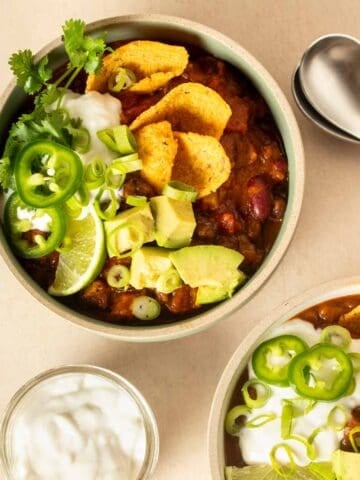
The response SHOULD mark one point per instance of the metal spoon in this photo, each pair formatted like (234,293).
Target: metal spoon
(308,110)
(329,73)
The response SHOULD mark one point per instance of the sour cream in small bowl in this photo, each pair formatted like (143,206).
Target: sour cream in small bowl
(78,422)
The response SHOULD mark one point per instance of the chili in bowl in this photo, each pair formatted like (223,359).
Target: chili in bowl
(146,199)
(295,384)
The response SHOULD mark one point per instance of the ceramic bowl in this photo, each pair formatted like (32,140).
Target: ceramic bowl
(238,362)
(178,30)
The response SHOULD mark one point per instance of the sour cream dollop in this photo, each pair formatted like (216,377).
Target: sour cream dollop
(256,443)
(97,111)
(78,426)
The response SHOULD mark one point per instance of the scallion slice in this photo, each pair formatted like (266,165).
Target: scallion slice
(136,200)
(336,335)
(129,163)
(338,418)
(122,79)
(310,448)
(106,204)
(354,437)
(260,420)
(94,175)
(314,434)
(287,416)
(168,281)
(301,406)
(80,140)
(258,389)
(145,308)
(119,139)
(136,235)
(283,470)
(180,191)
(355,358)
(235,420)
(114,178)
(118,276)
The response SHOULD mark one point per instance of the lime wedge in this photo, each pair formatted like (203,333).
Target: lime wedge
(83,260)
(265,472)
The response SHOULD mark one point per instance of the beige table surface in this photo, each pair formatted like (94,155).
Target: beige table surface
(179,378)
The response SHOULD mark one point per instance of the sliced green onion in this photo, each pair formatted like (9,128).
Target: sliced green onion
(180,191)
(125,140)
(137,239)
(260,420)
(301,406)
(106,208)
(338,418)
(168,281)
(310,448)
(314,434)
(355,438)
(119,139)
(95,173)
(257,388)
(234,420)
(114,177)
(80,140)
(82,195)
(287,416)
(73,207)
(136,200)
(283,470)
(129,163)
(355,358)
(118,276)
(145,308)
(122,79)
(336,335)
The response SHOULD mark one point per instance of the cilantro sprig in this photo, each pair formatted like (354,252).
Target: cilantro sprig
(48,119)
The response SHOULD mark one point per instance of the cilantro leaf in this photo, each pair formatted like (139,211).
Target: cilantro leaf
(29,75)
(6,175)
(83,50)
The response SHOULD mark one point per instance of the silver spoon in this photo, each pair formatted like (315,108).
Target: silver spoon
(308,110)
(329,73)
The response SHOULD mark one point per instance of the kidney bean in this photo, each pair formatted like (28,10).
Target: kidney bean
(228,223)
(260,199)
(279,170)
(278,209)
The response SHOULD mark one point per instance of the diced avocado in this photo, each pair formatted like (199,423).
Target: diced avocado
(346,465)
(137,224)
(210,294)
(321,470)
(210,266)
(174,221)
(151,267)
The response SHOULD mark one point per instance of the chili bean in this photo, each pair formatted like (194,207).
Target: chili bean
(278,171)
(260,198)
(97,294)
(228,223)
(278,209)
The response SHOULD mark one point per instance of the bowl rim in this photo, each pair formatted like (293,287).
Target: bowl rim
(204,320)
(341,287)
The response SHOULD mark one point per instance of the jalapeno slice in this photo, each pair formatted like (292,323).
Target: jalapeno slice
(324,372)
(47,173)
(271,359)
(33,232)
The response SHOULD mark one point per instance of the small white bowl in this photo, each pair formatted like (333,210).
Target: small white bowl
(187,32)
(240,359)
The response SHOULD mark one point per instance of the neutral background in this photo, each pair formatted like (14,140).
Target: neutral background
(179,378)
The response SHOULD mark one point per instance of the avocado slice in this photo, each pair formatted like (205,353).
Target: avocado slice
(210,294)
(210,266)
(174,221)
(346,465)
(151,267)
(135,221)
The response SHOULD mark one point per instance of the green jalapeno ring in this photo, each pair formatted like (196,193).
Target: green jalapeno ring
(47,173)
(303,369)
(271,358)
(15,229)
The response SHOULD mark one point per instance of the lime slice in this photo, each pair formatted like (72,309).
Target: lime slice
(82,262)
(266,472)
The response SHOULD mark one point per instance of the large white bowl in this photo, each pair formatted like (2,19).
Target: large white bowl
(182,31)
(240,359)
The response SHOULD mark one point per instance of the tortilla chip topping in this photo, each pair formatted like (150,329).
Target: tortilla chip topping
(189,107)
(153,63)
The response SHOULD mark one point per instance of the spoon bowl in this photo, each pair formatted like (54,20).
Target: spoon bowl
(329,73)
(309,111)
